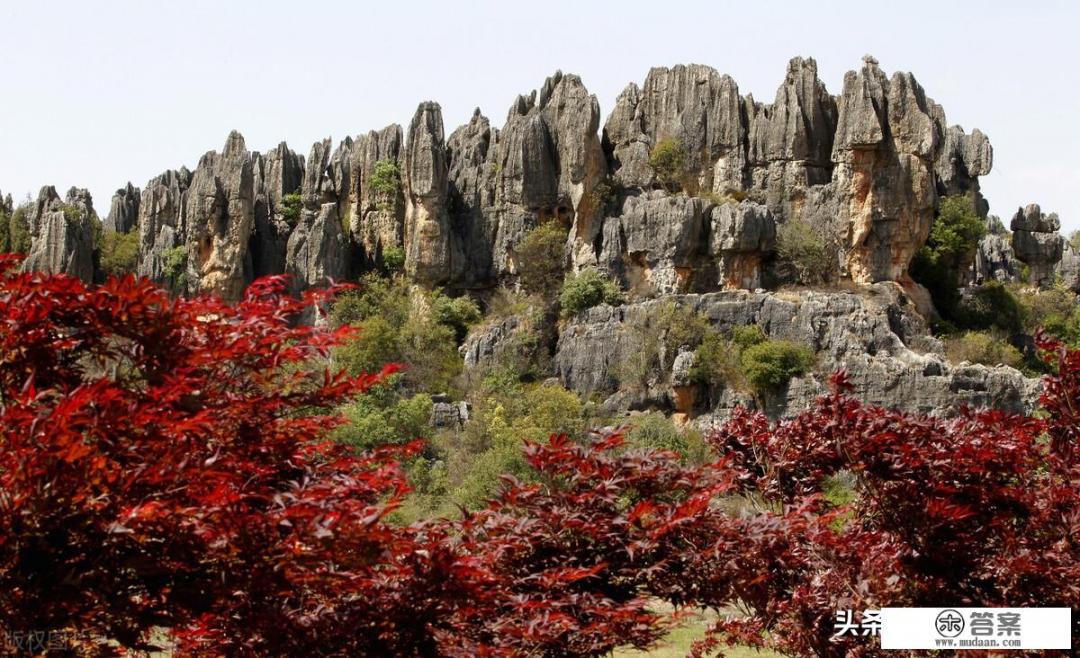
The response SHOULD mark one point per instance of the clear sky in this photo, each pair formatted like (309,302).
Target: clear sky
(99,93)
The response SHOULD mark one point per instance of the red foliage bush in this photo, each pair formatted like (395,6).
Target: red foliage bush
(163,468)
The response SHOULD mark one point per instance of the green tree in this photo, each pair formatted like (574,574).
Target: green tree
(586,289)
(982,347)
(399,324)
(954,237)
(539,259)
(457,313)
(718,363)
(291,205)
(119,253)
(668,160)
(385,182)
(771,365)
(174,268)
(19,229)
(382,417)
(810,256)
(393,259)
(990,306)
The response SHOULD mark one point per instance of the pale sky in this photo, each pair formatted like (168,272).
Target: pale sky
(99,93)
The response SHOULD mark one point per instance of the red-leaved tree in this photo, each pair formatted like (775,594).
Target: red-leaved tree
(164,475)
(162,467)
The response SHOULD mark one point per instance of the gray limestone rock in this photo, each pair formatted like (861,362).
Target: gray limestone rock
(317,249)
(62,234)
(741,236)
(279,174)
(1068,268)
(375,209)
(874,334)
(218,218)
(657,243)
(433,253)
(161,229)
(1036,242)
(994,259)
(124,210)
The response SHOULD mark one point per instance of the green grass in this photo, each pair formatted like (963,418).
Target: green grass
(677,644)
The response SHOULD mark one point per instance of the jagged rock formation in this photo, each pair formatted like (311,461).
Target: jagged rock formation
(376,203)
(277,174)
(219,215)
(994,259)
(875,335)
(1036,242)
(432,251)
(1068,268)
(124,210)
(160,227)
(864,169)
(316,248)
(62,233)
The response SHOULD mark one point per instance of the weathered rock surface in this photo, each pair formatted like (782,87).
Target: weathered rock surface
(62,233)
(376,205)
(874,335)
(994,259)
(219,216)
(317,248)
(124,210)
(1036,242)
(864,169)
(277,173)
(1068,268)
(161,228)
(433,253)
(741,236)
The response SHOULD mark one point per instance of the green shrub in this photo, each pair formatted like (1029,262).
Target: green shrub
(956,231)
(505,414)
(393,259)
(174,268)
(771,365)
(671,326)
(387,297)
(656,431)
(401,325)
(991,305)
(19,230)
(539,259)
(119,253)
(810,256)
(458,313)
(381,417)
(605,194)
(376,346)
(718,363)
(291,204)
(954,237)
(747,335)
(1047,308)
(385,183)
(668,160)
(586,289)
(982,347)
